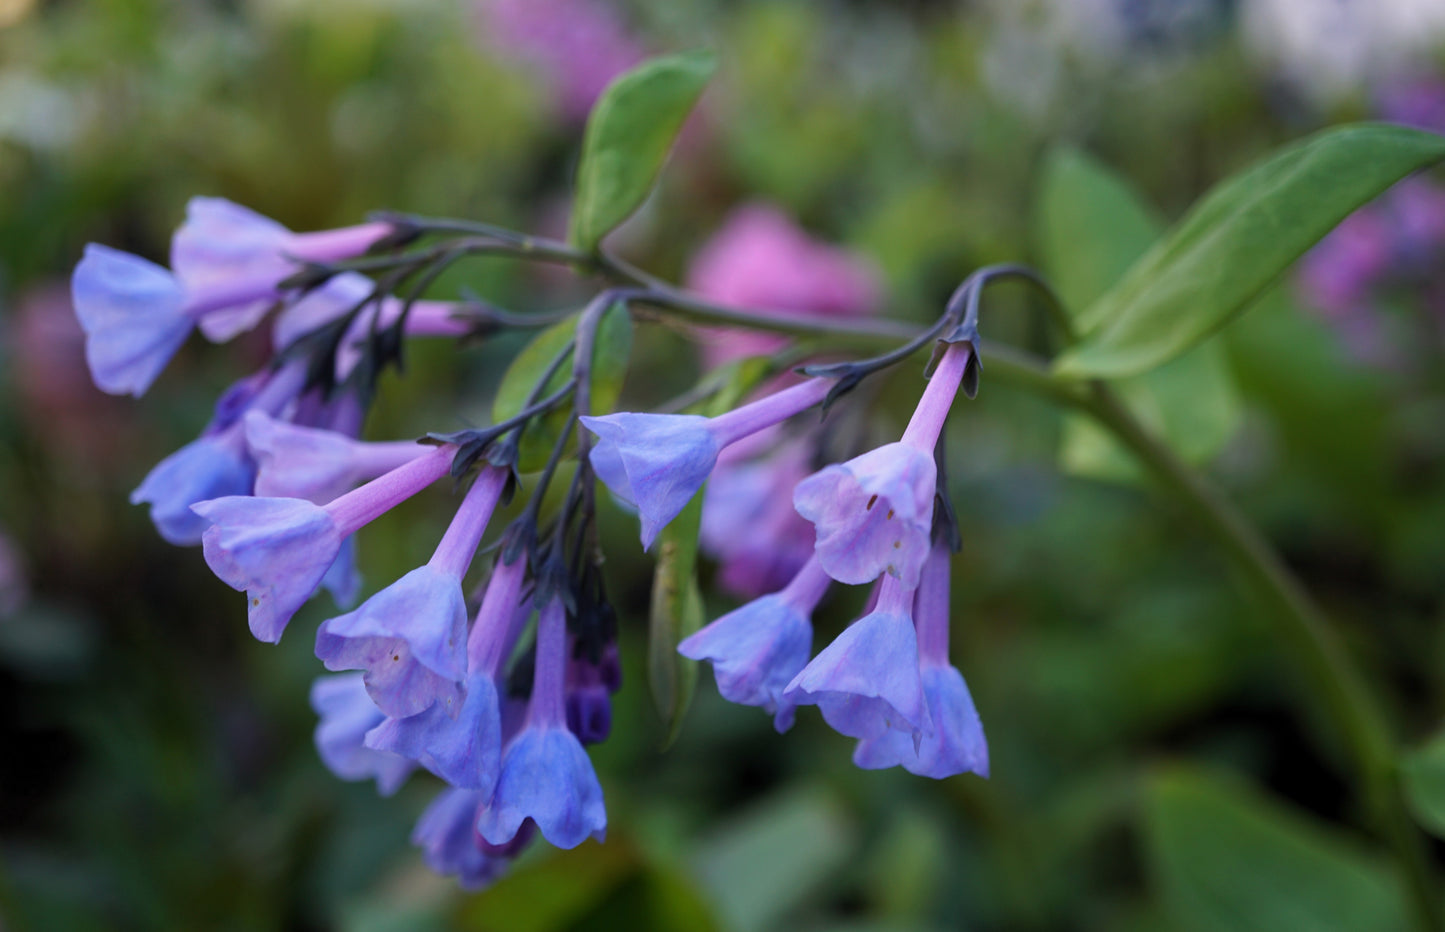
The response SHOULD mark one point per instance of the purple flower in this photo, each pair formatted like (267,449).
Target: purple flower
(228,262)
(1419,103)
(217,464)
(589,694)
(347,714)
(316,464)
(212,466)
(410,637)
(134,318)
(873,513)
(450,844)
(760,259)
(466,751)
(749,524)
(657,462)
(758,649)
(343,293)
(957,744)
(867,681)
(546,775)
(277,550)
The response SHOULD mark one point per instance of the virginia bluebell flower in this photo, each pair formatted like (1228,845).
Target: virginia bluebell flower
(317,464)
(589,694)
(957,743)
(758,649)
(748,522)
(466,750)
(410,637)
(873,514)
(447,835)
(133,315)
(546,775)
(866,682)
(277,550)
(211,466)
(341,294)
(217,463)
(228,262)
(347,714)
(657,462)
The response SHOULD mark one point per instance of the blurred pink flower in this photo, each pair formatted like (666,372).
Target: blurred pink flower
(576,46)
(13,585)
(761,259)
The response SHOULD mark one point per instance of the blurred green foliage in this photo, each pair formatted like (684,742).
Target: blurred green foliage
(157,766)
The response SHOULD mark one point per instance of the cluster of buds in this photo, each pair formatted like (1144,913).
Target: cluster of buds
(500,702)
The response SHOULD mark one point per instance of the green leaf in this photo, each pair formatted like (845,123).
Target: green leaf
(1092,227)
(609,368)
(676,612)
(1236,240)
(551,894)
(628,136)
(1228,859)
(1423,773)
(765,862)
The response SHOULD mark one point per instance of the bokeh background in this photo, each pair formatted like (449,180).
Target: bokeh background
(156,765)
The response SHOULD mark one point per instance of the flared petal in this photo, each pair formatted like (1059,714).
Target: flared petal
(873,514)
(547,778)
(275,549)
(132,312)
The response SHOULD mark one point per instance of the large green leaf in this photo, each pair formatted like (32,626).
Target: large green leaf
(609,368)
(628,136)
(1228,860)
(1092,227)
(1236,240)
(1423,772)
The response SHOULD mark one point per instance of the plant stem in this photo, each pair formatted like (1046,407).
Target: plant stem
(1309,640)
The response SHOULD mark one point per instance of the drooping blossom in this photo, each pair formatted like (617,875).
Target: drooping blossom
(546,775)
(757,650)
(760,259)
(347,714)
(217,463)
(316,464)
(343,293)
(228,263)
(957,744)
(277,550)
(873,514)
(589,693)
(410,637)
(657,462)
(466,750)
(749,524)
(447,836)
(867,681)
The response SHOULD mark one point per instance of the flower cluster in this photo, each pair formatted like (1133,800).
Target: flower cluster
(278,484)
(499,699)
(886,679)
